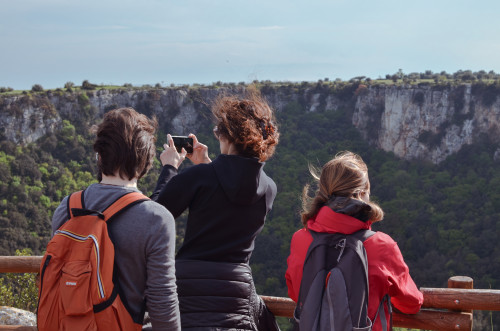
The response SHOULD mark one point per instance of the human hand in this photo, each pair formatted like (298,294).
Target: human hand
(170,155)
(200,152)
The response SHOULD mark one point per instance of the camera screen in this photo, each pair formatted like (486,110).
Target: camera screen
(181,141)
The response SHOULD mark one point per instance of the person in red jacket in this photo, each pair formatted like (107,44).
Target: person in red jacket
(344,186)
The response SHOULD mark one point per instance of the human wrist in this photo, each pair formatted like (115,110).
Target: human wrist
(170,163)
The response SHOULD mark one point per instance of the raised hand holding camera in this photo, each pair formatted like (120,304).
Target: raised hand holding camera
(170,155)
(200,152)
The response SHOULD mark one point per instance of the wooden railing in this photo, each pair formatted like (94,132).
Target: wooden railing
(443,308)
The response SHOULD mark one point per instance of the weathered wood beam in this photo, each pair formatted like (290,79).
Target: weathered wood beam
(425,319)
(434,320)
(460,299)
(19,264)
(280,306)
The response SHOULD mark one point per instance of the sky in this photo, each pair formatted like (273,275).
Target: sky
(51,42)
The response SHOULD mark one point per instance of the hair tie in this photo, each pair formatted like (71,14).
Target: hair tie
(263,130)
(267,129)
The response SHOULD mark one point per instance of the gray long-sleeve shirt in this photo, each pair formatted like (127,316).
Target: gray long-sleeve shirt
(144,240)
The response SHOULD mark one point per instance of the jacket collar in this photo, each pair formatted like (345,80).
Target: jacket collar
(331,222)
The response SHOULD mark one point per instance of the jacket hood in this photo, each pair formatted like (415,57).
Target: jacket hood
(242,179)
(349,206)
(330,221)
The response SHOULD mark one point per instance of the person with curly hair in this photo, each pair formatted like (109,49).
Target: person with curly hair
(228,199)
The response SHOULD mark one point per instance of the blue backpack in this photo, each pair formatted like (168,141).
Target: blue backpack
(334,289)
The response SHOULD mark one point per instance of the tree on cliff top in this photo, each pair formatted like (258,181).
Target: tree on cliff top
(86,85)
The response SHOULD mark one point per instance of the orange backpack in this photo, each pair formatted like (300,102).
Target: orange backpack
(76,275)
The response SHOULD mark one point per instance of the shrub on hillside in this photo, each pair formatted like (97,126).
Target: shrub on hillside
(37,88)
(69,86)
(6,89)
(86,85)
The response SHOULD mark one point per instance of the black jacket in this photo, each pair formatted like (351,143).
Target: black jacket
(220,296)
(228,201)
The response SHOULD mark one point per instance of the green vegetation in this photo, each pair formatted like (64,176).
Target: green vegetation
(86,85)
(69,86)
(428,78)
(6,89)
(444,217)
(19,290)
(37,88)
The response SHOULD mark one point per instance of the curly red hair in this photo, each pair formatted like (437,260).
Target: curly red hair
(248,123)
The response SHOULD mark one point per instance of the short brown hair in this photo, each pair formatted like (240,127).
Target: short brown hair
(248,122)
(346,175)
(126,143)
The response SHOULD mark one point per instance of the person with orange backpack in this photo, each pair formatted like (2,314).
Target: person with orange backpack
(111,257)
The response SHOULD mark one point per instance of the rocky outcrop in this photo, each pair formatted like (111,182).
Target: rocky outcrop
(23,120)
(15,316)
(425,122)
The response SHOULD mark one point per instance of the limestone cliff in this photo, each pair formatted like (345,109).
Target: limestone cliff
(24,119)
(424,122)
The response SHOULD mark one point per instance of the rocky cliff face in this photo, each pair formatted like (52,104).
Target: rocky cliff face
(426,123)
(24,119)
(413,122)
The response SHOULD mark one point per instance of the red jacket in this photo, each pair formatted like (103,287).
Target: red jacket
(387,271)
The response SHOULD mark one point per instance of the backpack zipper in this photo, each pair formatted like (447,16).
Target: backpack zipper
(94,239)
(340,244)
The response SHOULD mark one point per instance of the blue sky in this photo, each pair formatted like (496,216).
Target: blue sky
(51,42)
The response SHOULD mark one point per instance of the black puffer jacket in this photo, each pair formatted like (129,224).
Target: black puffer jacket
(228,201)
(220,296)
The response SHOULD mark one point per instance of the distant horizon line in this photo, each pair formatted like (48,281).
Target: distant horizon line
(463,75)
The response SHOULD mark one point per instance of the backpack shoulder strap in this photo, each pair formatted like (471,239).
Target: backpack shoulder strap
(363,234)
(75,200)
(356,241)
(124,202)
(314,234)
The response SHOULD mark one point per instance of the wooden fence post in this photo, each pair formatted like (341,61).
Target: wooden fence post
(462,282)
